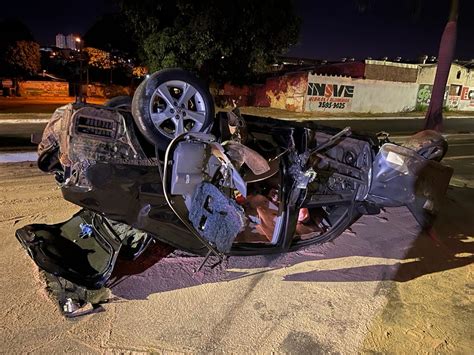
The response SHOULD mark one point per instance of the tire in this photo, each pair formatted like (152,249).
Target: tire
(163,107)
(121,102)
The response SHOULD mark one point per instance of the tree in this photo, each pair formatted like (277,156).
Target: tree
(104,66)
(139,71)
(220,39)
(98,58)
(12,31)
(110,33)
(23,58)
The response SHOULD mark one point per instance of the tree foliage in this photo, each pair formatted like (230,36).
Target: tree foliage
(220,39)
(98,58)
(139,71)
(19,55)
(23,58)
(12,30)
(110,32)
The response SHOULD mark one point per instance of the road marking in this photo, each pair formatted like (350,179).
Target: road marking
(18,157)
(460,144)
(23,120)
(369,118)
(452,136)
(459,157)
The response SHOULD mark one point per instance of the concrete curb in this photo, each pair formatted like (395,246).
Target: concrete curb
(26,120)
(13,118)
(10,118)
(375,118)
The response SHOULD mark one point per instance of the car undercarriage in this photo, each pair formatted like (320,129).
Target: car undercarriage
(167,168)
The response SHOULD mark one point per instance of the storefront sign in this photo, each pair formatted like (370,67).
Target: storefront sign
(330,96)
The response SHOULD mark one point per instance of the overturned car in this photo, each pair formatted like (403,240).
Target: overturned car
(166,167)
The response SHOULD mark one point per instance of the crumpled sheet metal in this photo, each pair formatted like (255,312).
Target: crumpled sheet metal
(57,132)
(76,148)
(241,154)
(417,140)
(400,176)
(237,126)
(121,148)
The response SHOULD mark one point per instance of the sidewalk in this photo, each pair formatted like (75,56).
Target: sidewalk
(305,116)
(49,104)
(38,104)
(380,287)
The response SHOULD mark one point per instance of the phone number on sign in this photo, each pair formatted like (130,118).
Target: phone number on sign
(339,105)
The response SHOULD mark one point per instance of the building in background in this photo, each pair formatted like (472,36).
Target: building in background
(71,41)
(350,86)
(67,42)
(60,40)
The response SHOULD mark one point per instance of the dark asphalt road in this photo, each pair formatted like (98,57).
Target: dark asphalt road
(402,126)
(15,137)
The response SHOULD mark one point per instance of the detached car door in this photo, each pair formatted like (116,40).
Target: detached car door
(82,250)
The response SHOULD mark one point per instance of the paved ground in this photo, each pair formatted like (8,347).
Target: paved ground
(380,287)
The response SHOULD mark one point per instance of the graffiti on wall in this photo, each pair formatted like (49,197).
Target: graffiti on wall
(454,96)
(112,90)
(467,93)
(453,102)
(466,98)
(343,94)
(330,96)
(424,95)
(43,88)
(286,92)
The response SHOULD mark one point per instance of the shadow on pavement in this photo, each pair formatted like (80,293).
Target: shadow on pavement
(448,246)
(390,245)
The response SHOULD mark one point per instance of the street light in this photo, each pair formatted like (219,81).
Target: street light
(78,43)
(79,47)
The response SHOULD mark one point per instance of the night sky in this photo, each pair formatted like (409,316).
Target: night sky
(330,30)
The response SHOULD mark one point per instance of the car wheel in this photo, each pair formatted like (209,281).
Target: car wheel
(171,102)
(120,102)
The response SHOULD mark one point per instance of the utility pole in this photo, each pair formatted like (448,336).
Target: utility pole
(434,115)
